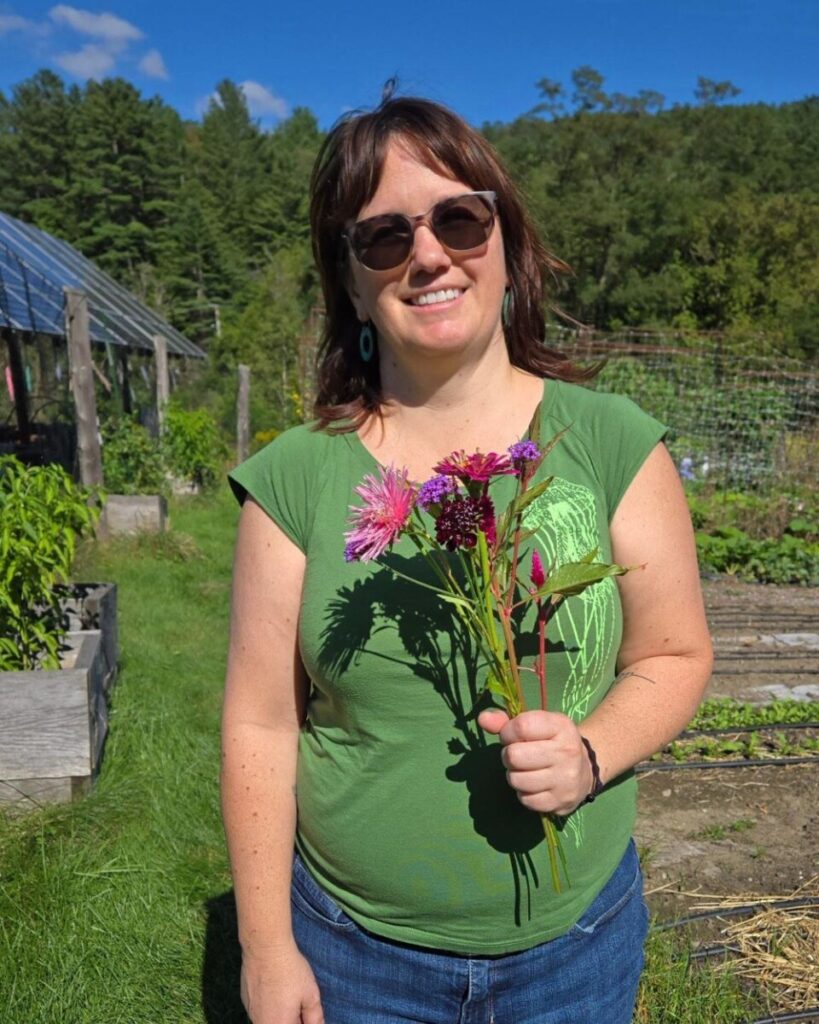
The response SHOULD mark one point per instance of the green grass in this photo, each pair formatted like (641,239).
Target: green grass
(108,906)
(719,832)
(118,909)
(675,990)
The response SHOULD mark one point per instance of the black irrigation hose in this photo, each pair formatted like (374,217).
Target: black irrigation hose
(708,951)
(773,727)
(666,766)
(810,1014)
(801,655)
(763,672)
(745,908)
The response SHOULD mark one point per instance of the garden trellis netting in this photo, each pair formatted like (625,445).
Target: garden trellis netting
(738,416)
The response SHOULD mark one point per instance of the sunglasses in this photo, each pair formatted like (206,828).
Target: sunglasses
(460,223)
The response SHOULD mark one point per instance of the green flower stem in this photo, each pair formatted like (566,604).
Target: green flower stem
(557,858)
(541,655)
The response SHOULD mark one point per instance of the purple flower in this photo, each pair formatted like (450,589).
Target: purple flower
(435,490)
(475,467)
(523,451)
(388,504)
(460,520)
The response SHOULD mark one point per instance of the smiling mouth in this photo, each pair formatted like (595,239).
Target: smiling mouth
(430,298)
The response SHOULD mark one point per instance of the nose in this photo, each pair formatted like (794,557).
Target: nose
(427,252)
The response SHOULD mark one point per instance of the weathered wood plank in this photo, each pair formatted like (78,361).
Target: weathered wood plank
(45,728)
(133,513)
(26,794)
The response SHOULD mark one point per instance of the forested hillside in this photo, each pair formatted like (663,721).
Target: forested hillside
(703,216)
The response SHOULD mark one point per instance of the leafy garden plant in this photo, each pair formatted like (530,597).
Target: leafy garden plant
(475,553)
(42,515)
(191,445)
(131,460)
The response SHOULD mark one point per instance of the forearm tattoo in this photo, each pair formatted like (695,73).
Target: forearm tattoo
(638,675)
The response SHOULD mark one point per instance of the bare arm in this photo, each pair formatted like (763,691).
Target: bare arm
(664,660)
(265,694)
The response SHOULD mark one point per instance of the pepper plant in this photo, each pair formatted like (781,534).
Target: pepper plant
(42,515)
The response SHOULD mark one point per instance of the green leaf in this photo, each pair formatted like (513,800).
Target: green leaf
(574,577)
(530,494)
(494,685)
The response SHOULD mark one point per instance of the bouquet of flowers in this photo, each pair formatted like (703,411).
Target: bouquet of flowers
(474,550)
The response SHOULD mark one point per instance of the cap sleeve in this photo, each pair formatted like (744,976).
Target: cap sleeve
(626,436)
(278,479)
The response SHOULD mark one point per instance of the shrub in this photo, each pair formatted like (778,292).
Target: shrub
(192,446)
(42,514)
(729,549)
(131,459)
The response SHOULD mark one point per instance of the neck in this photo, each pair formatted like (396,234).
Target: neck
(445,384)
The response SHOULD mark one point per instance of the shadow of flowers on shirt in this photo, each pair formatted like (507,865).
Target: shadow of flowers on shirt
(434,646)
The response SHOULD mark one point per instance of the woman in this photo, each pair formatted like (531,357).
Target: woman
(420,886)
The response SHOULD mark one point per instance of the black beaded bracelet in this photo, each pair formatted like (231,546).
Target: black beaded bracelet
(597,783)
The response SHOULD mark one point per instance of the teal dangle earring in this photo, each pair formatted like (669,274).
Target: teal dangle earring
(506,308)
(366,343)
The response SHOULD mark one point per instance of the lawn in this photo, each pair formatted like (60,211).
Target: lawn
(118,909)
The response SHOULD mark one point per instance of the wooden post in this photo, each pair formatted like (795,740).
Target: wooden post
(163,390)
(127,403)
(243,414)
(113,372)
(82,386)
(18,380)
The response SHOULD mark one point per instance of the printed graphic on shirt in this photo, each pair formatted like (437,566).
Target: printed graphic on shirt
(566,530)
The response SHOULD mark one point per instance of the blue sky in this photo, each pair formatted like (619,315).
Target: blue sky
(482,59)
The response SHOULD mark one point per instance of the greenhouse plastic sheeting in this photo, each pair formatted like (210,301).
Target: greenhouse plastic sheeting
(34,269)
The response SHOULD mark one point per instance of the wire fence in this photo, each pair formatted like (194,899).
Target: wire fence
(737,418)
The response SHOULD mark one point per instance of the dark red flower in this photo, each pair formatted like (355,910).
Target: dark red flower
(460,520)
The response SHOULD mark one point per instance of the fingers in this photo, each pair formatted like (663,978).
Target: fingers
(492,720)
(311,1011)
(544,758)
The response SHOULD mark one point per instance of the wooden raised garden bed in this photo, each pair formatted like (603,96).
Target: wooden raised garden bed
(53,722)
(134,513)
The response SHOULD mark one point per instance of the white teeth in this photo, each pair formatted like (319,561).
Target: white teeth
(442,296)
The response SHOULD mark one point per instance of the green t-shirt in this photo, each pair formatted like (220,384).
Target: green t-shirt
(404,814)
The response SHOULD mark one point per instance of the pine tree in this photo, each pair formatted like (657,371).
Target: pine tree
(36,146)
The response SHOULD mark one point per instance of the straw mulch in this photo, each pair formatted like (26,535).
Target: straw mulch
(777,950)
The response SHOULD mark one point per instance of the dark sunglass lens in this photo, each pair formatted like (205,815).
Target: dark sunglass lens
(463,223)
(382,243)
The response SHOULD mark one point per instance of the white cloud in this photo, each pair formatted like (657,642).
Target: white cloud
(14,23)
(116,32)
(153,65)
(262,101)
(91,61)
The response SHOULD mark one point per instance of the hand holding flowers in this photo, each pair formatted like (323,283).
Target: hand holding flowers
(475,554)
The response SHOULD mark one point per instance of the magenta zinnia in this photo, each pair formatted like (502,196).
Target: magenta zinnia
(388,504)
(477,466)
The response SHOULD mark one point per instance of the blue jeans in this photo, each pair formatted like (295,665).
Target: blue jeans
(590,974)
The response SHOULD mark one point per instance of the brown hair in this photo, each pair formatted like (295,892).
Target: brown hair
(345,177)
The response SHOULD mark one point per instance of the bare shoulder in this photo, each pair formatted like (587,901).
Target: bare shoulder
(662,601)
(264,667)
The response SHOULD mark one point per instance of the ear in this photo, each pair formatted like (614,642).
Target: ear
(358,303)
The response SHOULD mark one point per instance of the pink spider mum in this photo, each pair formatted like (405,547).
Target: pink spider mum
(478,466)
(388,504)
